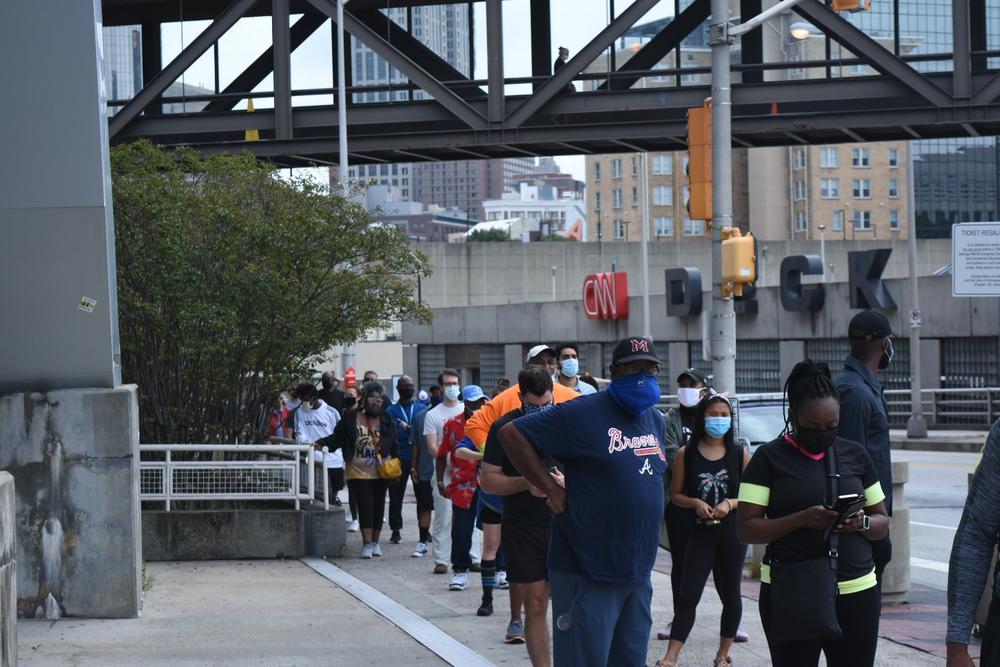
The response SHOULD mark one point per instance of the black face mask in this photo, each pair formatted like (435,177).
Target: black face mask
(405,393)
(887,356)
(815,440)
(350,401)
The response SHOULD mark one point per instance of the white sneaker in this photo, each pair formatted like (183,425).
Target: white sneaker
(367,551)
(376,550)
(459,581)
(353,527)
(501,580)
(420,551)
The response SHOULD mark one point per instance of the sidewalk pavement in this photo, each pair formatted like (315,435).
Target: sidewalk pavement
(940,441)
(283,613)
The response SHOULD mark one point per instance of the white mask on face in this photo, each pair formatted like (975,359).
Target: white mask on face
(688,396)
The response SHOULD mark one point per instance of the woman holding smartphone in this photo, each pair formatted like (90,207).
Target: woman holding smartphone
(706,479)
(785,503)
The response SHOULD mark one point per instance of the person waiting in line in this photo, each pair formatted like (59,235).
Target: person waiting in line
(461,488)
(785,502)
(971,555)
(365,436)
(351,405)
(606,527)
(589,379)
(422,475)
(331,393)
(315,420)
(402,413)
(526,524)
(706,481)
(568,356)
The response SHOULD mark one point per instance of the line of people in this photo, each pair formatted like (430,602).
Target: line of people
(571,486)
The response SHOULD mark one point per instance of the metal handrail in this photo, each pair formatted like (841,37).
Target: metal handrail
(283,450)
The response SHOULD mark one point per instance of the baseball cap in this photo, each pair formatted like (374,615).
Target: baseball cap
(537,350)
(869,325)
(472,393)
(634,349)
(695,375)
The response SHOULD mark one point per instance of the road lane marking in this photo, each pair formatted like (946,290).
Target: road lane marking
(933,525)
(444,645)
(925,564)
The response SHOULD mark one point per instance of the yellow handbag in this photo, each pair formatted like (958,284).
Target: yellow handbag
(389,468)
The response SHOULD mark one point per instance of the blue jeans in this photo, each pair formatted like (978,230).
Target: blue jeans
(610,623)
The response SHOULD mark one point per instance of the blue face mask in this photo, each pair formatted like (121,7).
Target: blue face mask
(529,409)
(716,427)
(636,392)
(570,367)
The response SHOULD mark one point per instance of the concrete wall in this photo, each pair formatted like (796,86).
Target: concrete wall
(944,317)
(74,457)
(8,574)
(486,274)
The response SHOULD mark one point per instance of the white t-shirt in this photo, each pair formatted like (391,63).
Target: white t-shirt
(312,425)
(436,417)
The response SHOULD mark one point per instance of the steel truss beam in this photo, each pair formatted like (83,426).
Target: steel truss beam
(417,74)
(657,48)
(851,37)
(179,65)
(558,82)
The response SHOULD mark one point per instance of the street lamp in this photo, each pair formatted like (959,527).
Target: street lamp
(822,249)
(801,31)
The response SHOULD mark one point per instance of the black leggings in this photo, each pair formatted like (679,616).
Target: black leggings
(370,496)
(680,521)
(718,550)
(858,615)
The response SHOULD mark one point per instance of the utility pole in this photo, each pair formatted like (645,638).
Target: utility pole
(916,426)
(723,319)
(341,100)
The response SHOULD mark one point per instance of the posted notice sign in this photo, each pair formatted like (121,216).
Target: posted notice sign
(975,267)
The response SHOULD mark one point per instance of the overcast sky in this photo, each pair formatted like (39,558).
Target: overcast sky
(574,24)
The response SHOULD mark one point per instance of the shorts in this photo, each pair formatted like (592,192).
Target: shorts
(526,546)
(489,515)
(425,497)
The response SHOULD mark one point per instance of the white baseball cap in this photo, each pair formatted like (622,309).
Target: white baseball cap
(537,350)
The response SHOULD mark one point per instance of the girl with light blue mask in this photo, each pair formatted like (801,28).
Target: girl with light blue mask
(705,482)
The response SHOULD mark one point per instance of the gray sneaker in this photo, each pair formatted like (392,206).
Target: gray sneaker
(459,581)
(367,551)
(515,633)
(376,550)
(420,551)
(501,580)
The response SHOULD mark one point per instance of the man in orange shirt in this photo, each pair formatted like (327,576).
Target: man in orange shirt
(477,428)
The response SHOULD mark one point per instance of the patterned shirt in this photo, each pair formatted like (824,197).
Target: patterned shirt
(464,474)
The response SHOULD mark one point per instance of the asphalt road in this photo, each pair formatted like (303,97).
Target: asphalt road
(935,494)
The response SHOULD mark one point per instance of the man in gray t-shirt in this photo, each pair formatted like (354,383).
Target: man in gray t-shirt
(422,474)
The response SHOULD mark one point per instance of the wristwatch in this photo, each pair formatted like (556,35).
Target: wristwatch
(866,522)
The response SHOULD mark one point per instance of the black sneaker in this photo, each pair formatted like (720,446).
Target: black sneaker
(485,609)
(396,537)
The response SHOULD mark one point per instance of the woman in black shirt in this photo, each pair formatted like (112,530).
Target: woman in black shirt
(705,482)
(784,504)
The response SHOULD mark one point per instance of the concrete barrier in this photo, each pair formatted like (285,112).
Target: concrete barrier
(74,456)
(236,534)
(8,574)
(896,578)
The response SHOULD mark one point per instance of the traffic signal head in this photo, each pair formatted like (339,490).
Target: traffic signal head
(700,162)
(739,260)
(851,5)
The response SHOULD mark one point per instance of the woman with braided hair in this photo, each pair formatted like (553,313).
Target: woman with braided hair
(785,503)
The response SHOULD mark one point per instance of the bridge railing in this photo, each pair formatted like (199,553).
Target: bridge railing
(271,472)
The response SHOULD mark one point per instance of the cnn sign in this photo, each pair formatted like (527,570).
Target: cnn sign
(605,296)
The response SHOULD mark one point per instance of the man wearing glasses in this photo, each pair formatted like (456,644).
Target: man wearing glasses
(864,417)
(606,527)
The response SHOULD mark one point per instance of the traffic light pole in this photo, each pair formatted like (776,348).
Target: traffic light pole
(723,319)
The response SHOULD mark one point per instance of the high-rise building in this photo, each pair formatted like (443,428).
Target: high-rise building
(122,62)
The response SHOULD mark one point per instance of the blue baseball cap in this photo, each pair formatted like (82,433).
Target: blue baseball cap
(472,393)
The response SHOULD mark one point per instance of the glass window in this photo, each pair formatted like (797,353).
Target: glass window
(663,164)
(893,157)
(635,196)
(800,158)
(838,221)
(597,171)
(619,229)
(829,188)
(862,188)
(663,226)
(635,165)
(893,188)
(597,201)
(694,227)
(801,221)
(616,198)
(663,195)
(616,168)
(861,158)
(800,190)
(894,220)
(862,220)
(829,157)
